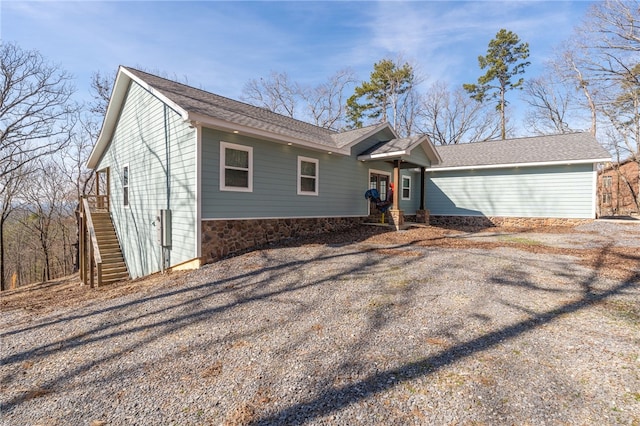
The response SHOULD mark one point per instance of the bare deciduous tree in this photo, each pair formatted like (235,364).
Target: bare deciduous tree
(602,60)
(453,118)
(549,102)
(326,101)
(101,86)
(36,114)
(46,204)
(11,186)
(275,93)
(322,105)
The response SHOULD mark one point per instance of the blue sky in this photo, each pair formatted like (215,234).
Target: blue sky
(219,46)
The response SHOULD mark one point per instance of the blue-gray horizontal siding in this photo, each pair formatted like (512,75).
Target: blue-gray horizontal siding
(342,182)
(153,140)
(411,205)
(418,156)
(551,191)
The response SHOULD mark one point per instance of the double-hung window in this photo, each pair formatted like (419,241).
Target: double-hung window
(308,175)
(406,187)
(236,167)
(125,186)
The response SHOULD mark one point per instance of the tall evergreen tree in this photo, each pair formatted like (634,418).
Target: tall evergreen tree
(505,60)
(381,95)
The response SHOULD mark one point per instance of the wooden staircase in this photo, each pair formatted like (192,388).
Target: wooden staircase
(113,266)
(101,259)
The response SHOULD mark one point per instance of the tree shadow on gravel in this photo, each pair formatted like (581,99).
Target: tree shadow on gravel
(331,240)
(333,399)
(186,307)
(245,288)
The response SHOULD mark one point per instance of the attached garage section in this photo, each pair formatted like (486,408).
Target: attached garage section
(560,191)
(540,180)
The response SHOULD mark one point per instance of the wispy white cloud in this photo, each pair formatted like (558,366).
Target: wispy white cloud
(445,38)
(221,45)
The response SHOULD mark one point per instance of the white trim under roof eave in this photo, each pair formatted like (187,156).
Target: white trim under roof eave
(373,131)
(119,91)
(227,126)
(510,165)
(382,155)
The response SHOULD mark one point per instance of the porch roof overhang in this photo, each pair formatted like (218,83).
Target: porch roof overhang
(401,149)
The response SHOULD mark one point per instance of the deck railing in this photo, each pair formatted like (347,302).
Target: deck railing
(90,266)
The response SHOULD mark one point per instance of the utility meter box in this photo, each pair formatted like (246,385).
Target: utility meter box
(164,230)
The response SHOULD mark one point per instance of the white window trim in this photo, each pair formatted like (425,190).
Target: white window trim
(317,176)
(127,186)
(249,149)
(402,187)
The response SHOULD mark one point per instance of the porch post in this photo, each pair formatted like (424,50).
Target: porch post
(421,188)
(396,183)
(422,215)
(81,248)
(396,216)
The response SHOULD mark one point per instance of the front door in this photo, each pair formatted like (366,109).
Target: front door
(379,182)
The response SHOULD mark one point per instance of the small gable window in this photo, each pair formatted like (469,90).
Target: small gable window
(406,187)
(236,167)
(307,176)
(125,186)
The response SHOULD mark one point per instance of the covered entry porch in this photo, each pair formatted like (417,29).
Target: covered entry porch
(413,153)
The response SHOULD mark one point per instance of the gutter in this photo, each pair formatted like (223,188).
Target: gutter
(516,165)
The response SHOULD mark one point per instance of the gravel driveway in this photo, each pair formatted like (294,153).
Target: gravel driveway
(415,327)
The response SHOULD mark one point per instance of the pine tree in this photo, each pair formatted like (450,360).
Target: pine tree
(373,99)
(505,60)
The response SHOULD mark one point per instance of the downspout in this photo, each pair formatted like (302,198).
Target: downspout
(165,258)
(198,183)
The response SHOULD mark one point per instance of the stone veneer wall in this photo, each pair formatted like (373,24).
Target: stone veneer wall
(513,222)
(221,238)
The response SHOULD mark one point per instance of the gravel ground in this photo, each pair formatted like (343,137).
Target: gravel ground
(423,326)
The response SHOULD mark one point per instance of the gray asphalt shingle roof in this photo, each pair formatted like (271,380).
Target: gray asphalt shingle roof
(346,137)
(540,149)
(240,113)
(394,145)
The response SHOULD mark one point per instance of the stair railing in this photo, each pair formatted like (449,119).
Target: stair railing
(95,259)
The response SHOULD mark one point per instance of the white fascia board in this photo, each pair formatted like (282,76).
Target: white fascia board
(512,165)
(381,156)
(118,93)
(224,125)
